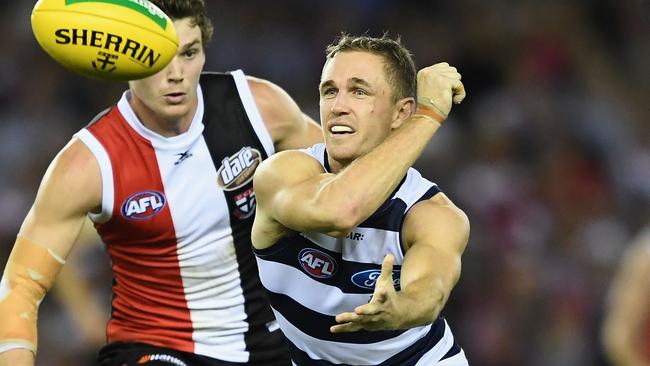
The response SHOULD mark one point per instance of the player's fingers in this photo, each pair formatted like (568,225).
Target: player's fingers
(387,267)
(451,74)
(346,317)
(371,308)
(443,67)
(440,65)
(345,328)
(459,92)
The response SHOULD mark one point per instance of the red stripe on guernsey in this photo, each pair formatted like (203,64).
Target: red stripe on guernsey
(149,300)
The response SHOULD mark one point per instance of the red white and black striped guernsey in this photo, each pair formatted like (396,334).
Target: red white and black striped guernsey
(176,219)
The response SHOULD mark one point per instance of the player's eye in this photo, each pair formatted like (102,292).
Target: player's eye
(328,92)
(360,92)
(190,53)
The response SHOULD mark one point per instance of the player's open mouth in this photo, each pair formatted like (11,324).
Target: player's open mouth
(341,130)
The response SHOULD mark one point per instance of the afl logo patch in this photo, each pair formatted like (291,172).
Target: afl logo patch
(317,263)
(238,169)
(367,279)
(143,205)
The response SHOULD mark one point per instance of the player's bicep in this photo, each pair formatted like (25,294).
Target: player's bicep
(435,235)
(69,190)
(290,189)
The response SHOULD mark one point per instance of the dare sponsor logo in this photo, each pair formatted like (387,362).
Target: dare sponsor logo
(368,278)
(143,205)
(238,169)
(317,263)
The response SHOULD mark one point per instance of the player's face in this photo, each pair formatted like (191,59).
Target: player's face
(357,108)
(170,95)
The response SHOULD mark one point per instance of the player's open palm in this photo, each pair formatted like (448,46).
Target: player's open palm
(380,313)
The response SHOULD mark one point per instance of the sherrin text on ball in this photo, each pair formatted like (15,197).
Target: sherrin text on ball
(106,39)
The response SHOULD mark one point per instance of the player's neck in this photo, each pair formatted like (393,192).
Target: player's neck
(164,126)
(336,166)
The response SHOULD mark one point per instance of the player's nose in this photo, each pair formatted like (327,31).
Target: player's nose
(340,105)
(174,70)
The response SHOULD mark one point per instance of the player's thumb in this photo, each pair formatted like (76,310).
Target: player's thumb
(386,276)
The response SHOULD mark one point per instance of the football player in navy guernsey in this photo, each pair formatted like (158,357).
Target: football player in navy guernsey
(166,177)
(357,251)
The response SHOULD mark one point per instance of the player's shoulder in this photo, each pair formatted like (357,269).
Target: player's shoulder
(270,98)
(286,168)
(439,212)
(288,161)
(441,204)
(75,160)
(74,176)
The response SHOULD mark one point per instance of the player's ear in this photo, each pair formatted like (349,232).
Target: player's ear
(404,108)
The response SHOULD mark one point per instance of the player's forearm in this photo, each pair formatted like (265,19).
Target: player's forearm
(421,302)
(17,357)
(29,274)
(364,185)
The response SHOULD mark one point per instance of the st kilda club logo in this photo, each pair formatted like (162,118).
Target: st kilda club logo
(237,171)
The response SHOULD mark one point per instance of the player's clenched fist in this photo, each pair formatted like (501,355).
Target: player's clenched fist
(438,86)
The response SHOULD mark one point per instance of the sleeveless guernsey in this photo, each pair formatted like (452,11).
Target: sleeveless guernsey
(176,219)
(312,277)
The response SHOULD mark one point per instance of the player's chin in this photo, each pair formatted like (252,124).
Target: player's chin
(342,153)
(174,111)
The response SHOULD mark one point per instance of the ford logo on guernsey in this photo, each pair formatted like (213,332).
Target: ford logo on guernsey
(143,205)
(317,263)
(367,279)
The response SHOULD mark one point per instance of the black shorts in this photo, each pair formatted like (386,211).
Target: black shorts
(137,354)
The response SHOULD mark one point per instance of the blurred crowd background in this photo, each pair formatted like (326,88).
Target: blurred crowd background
(549,155)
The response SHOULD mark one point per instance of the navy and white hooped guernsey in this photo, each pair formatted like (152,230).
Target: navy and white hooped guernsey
(312,277)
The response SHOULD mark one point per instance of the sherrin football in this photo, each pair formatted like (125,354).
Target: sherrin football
(106,39)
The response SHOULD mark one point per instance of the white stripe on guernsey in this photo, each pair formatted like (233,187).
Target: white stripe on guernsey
(206,255)
(458,359)
(106,169)
(440,349)
(374,246)
(413,188)
(317,152)
(253,113)
(325,299)
(351,353)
